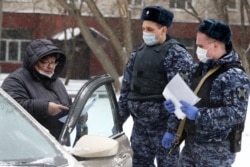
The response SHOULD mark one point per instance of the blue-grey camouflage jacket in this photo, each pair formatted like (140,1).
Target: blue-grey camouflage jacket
(232,89)
(177,60)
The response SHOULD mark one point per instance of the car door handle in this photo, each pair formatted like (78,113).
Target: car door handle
(125,160)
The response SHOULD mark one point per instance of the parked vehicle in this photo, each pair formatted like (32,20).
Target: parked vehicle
(92,135)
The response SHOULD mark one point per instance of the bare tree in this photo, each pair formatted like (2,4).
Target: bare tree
(193,12)
(91,41)
(122,48)
(248,52)
(247,8)
(223,15)
(221,10)
(70,55)
(243,49)
(126,21)
(110,33)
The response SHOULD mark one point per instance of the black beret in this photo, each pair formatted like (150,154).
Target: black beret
(216,29)
(158,14)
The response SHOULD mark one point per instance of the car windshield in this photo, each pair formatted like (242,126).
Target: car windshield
(21,140)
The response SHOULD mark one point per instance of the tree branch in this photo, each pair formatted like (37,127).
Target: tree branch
(113,39)
(92,43)
(247,8)
(193,12)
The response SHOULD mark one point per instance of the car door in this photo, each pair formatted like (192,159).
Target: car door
(25,142)
(93,119)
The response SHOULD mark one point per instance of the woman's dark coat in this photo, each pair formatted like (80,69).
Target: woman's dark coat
(34,91)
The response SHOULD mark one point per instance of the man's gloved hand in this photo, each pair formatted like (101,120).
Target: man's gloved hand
(189,110)
(169,106)
(167,140)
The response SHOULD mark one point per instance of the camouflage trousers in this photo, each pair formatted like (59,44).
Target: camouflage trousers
(148,130)
(214,154)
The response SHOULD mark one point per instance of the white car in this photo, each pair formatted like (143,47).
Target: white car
(92,135)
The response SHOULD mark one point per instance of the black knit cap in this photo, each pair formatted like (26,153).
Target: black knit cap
(216,29)
(158,14)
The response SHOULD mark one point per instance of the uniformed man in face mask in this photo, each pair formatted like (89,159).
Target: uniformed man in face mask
(214,125)
(149,69)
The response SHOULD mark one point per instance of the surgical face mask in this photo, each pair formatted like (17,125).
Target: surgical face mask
(150,39)
(45,74)
(202,54)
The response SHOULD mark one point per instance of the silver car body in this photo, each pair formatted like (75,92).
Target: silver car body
(24,142)
(92,135)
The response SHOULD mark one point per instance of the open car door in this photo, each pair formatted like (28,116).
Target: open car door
(92,128)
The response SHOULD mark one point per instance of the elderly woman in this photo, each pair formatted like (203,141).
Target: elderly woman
(36,85)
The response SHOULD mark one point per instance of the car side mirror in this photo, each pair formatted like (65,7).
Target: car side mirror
(89,146)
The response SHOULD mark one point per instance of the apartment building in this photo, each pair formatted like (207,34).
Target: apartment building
(24,20)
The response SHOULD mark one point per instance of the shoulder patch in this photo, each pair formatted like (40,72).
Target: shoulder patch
(241,93)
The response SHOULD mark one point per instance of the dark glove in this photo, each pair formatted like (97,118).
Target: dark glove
(169,106)
(189,110)
(167,140)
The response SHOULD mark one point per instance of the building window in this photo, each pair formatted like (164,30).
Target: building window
(14,43)
(2,51)
(232,4)
(23,47)
(136,3)
(13,50)
(75,1)
(179,4)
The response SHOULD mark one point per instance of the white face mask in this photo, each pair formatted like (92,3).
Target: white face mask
(150,39)
(202,54)
(45,74)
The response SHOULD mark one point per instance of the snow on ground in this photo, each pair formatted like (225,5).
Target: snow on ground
(241,159)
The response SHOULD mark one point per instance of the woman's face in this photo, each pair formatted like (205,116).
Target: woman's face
(47,65)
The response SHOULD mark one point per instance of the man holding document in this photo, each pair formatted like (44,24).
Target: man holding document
(213,126)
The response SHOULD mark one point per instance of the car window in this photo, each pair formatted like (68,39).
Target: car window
(98,118)
(94,112)
(92,126)
(20,139)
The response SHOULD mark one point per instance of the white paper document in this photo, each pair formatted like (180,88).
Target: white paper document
(177,90)
(89,104)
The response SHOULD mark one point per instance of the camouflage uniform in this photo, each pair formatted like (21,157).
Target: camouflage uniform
(208,145)
(151,120)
